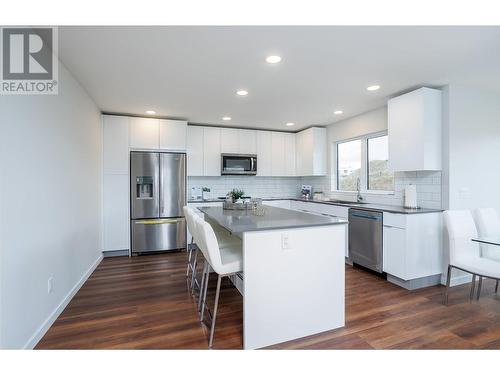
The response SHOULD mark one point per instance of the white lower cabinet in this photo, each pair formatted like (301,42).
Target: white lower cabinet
(278,203)
(325,209)
(116,221)
(412,245)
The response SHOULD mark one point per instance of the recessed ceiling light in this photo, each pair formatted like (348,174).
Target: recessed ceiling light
(226,118)
(273,59)
(338,112)
(151,112)
(242,92)
(373,88)
(290,124)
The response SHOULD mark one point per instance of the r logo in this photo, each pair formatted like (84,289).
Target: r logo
(27,53)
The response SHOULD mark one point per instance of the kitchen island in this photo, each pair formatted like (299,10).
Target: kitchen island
(293,272)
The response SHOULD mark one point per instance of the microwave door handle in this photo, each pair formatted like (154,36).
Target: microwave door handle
(251,164)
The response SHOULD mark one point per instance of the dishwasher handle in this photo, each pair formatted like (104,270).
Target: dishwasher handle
(366,215)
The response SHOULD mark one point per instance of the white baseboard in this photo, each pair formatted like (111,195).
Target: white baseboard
(37,336)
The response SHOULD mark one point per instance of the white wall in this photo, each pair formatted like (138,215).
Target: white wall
(471,154)
(471,148)
(50,205)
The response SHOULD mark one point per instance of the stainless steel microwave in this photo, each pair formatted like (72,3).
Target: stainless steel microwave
(238,164)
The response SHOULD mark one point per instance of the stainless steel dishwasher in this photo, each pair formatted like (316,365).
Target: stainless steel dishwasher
(365,238)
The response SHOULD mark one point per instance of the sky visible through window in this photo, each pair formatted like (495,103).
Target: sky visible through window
(350,165)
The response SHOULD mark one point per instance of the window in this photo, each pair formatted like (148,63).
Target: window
(379,176)
(365,158)
(348,164)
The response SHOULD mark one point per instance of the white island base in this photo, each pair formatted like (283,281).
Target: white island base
(293,283)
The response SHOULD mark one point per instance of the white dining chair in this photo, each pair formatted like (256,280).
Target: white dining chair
(225,261)
(488,225)
(464,253)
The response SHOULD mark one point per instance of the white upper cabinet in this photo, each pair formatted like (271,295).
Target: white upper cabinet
(311,152)
(229,140)
(414,129)
(290,166)
(115,143)
(211,151)
(278,154)
(247,141)
(144,133)
(173,135)
(238,141)
(264,153)
(194,147)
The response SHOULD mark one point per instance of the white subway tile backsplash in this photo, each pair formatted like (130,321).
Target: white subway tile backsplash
(428,187)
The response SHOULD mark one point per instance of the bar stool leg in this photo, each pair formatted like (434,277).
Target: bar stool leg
(212,330)
(203,303)
(202,286)
(190,252)
(472,287)
(479,285)
(194,271)
(448,279)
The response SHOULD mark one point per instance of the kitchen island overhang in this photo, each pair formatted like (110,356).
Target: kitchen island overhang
(293,267)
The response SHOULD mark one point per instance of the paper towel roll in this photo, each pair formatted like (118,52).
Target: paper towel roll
(411,196)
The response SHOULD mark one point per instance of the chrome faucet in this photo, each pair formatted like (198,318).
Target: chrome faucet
(359,197)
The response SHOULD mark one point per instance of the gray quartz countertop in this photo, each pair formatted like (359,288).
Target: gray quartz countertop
(239,221)
(365,206)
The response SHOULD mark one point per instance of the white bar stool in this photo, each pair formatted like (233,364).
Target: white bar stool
(225,261)
(190,215)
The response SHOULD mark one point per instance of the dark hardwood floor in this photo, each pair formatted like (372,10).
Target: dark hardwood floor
(143,303)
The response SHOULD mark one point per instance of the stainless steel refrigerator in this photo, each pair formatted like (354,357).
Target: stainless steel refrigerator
(157,194)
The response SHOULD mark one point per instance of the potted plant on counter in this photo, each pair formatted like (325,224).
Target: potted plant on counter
(236,195)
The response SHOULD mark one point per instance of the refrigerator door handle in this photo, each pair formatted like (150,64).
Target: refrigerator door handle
(159,221)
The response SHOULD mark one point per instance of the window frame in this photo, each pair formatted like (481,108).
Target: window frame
(364,173)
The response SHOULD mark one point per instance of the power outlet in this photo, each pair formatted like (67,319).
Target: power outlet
(285,241)
(50,285)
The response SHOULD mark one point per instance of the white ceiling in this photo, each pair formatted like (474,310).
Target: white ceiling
(193,72)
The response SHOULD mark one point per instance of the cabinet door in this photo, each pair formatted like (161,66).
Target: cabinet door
(278,203)
(115,212)
(144,133)
(247,140)
(264,153)
(290,165)
(301,154)
(229,141)
(211,151)
(394,250)
(173,135)
(278,154)
(414,125)
(115,143)
(194,145)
